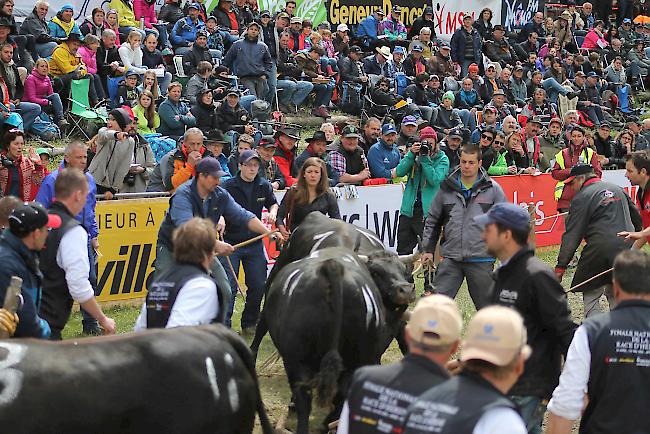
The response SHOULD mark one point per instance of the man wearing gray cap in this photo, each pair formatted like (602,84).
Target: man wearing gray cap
(528,285)
(433,335)
(203,197)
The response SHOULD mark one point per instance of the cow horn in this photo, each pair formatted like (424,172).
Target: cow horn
(409,259)
(363,258)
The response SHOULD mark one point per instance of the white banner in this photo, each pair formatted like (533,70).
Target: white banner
(448,14)
(618,177)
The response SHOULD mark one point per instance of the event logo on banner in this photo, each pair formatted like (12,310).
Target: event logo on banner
(448,14)
(351,12)
(516,13)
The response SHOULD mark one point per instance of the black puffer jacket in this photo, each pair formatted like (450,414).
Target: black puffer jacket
(206,116)
(192,58)
(529,286)
(170,13)
(229,118)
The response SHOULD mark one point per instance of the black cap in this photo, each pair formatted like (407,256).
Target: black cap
(536,120)
(268,142)
(209,166)
(248,155)
(318,136)
(255,23)
(605,124)
(498,27)
(456,132)
(74,37)
(355,49)
(265,13)
(28,217)
(215,136)
(233,91)
(428,11)
(202,32)
(350,131)
(507,214)
(577,170)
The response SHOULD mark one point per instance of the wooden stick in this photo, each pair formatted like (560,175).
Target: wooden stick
(11,299)
(590,279)
(232,270)
(254,239)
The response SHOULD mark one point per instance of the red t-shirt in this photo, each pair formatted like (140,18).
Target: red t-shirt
(643,202)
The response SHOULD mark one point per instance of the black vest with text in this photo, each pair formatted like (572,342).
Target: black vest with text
(57,302)
(619,378)
(163,292)
(380,395)
(455,406)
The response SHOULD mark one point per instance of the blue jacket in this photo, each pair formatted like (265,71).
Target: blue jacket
(18,260)
(262,197)
(87,216)
(249,59)
(186,204)
(367,29)
(184,31)
(458,46)
(169,126)
(224,166)
(382,158)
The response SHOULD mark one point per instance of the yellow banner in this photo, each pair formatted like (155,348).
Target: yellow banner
(128,230)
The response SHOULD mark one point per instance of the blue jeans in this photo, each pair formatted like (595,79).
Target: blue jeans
(532,412)
(179,51)
(553,89)
(57,106)
(293,92)
(469,120)
(272,82)
(28,111)
(246,101)
(127,29)
(323,94)
(464,66)
(253,260)
(164,83)
(45,50)
(163,36)
(88,320)
(228,39)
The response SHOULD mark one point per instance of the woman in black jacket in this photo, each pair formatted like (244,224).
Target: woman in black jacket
(484,24)
(204,112)
(310,193)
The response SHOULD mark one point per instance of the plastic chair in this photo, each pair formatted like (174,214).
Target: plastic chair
(579,40)
(113,84)
(80,110)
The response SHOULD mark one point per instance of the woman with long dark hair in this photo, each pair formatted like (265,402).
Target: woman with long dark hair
(20,175)
(310,193)
(483,24)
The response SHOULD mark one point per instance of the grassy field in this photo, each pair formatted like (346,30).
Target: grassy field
(275,390)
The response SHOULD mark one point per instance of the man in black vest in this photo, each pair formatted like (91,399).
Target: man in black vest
(347,158)
(526,284)
(64,261)
(607,360)
(493,355)
(185,294)
(433,335)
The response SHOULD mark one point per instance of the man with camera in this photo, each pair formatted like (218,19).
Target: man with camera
(425,167)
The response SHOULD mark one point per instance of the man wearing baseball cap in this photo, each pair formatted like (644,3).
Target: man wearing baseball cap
(432,334)
(597,213)
(269,168)
(19,246)
(492,358)
(384,156)
(253,193)
(316,147)
(528,285)
(426,20)
(184,31)
(348,159)
(408,133)
(203,197)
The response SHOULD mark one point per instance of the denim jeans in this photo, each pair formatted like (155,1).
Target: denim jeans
(45,50)
(179,51)
(256,85)
(87,319)
(323,94)
(253,260)
(553,89)
(272,82)
(165,260)
(28,111)
(163,36)
(246,101)
(532,412)
(464,66)
(469,120)
(293,92)
(57,106)
(164,83)
(127,29)
(228,39)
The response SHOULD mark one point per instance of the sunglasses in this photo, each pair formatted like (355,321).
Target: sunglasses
(498,142)
(487,136)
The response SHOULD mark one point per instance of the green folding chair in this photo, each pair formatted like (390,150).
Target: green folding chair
(80,111)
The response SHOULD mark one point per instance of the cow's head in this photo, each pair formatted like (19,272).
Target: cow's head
(391,274)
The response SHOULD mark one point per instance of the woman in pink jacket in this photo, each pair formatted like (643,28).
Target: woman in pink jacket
(38,90)
(595,39)
(145,9)
(88,53)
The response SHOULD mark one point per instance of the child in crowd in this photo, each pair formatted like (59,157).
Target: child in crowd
(127,91)
(88,53)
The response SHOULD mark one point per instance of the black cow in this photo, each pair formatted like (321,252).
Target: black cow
(183,380)
(327,317)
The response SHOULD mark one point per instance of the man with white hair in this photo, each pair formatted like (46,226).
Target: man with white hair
(109,62)
(36,24)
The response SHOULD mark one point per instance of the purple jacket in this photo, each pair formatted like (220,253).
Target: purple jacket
(37,88)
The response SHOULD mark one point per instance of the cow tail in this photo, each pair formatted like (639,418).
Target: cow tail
(326,382)
(245,354)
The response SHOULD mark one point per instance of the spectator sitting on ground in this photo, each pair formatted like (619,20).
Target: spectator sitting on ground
(181,167)
(94,24)
(111,23)
(368,27)
(150,83)
(88,53)
(232,117)
(214,141)
(198,82)
(114,150)
(20,175)
(489,121)
(384,156)
(152,58)
(174,114)
(269,168)
(109,63)
(204,112)
(309,63)
(293,89)
(145,111)
(441,64)
(36,24)
(446,118)
(184,32)
(348,158)
(62,24)
(131,53)
(417,93)
(38,90)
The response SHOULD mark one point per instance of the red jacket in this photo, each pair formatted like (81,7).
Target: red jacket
(30,177)
(284,160)
(643,202)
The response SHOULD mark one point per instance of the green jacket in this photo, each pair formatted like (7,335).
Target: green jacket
(500,165)
(435,171)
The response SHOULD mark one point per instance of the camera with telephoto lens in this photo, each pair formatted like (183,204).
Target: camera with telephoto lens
(129,179)
(5,161)
(425,148)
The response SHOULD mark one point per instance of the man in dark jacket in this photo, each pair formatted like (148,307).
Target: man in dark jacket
(19,247)
(597,213)
(418,95)
(466,45)
(252,192)
(526,284)
(198,53)
(433,335)
(231,116)
(534,26)
(109,62)
(293,90)
(426,20)
(415,62)
(351,68)
(317,147)
(498,49)
(252,61)
(269,169)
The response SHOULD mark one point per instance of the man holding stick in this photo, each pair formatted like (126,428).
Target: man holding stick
(637,170)
(203,197)
(598,212)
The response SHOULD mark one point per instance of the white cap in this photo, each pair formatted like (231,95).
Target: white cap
(342,28)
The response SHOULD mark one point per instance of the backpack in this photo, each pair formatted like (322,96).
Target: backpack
(160,145)
(44,128)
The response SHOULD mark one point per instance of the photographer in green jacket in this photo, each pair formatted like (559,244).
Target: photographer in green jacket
(425,167)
